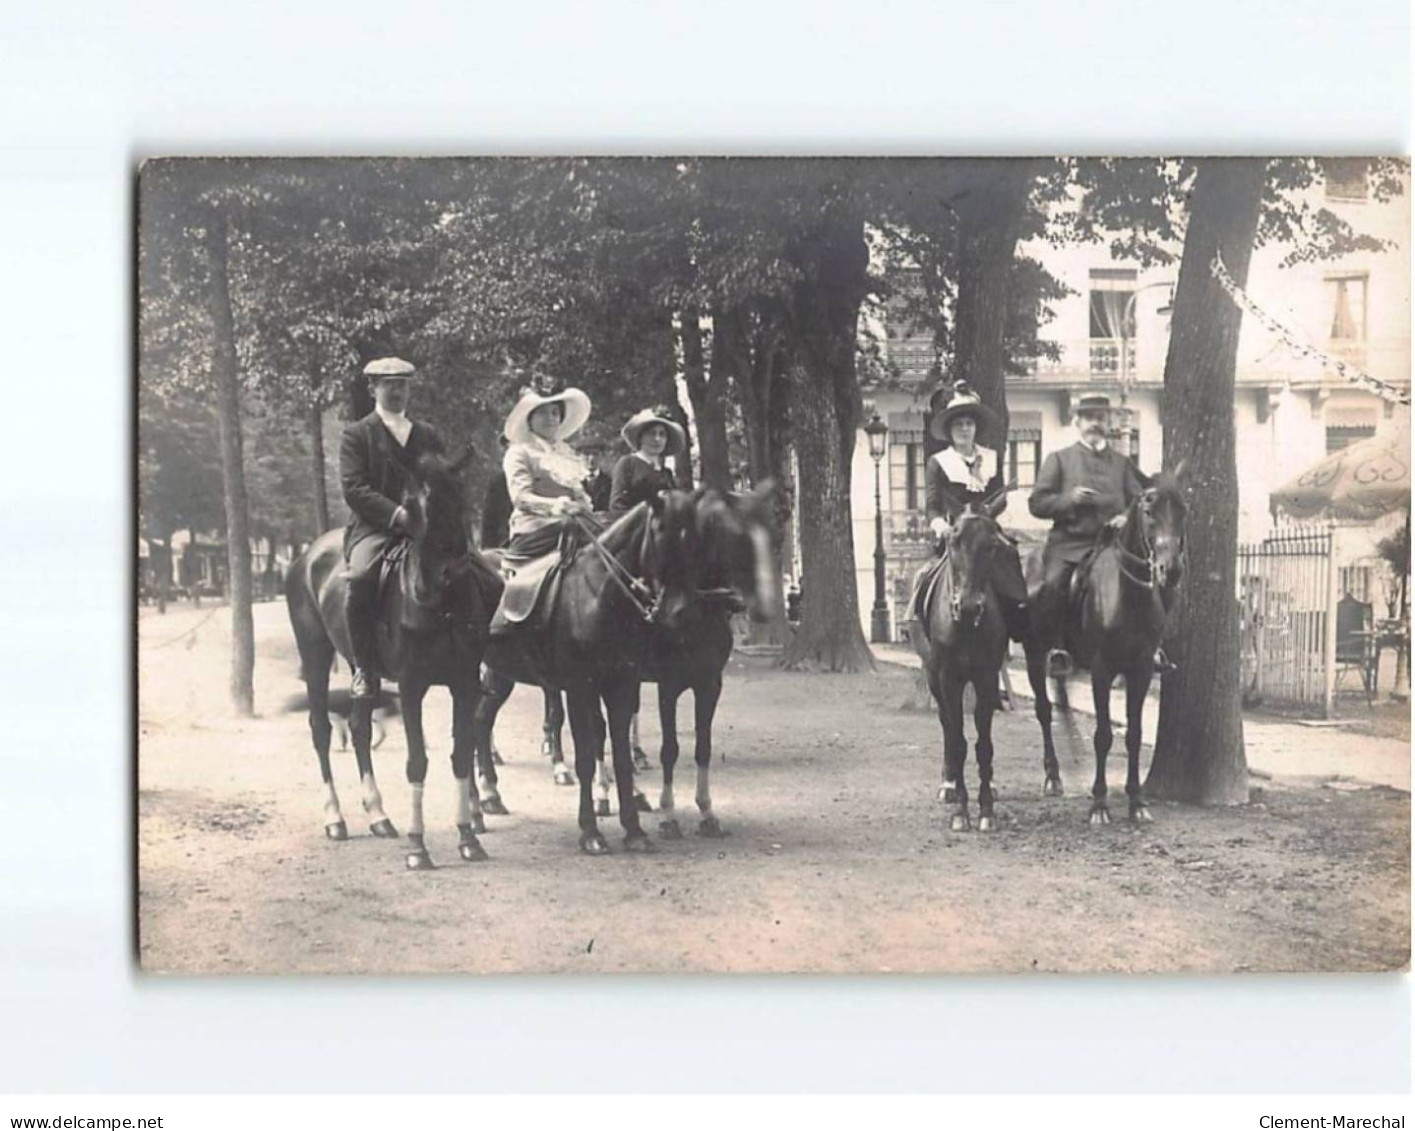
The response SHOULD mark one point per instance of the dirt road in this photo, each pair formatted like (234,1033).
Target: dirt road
(839,860)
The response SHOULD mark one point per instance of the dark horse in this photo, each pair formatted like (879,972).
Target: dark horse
(1121,596)
(967,643)
(734,569)
(635,574)
(434,611)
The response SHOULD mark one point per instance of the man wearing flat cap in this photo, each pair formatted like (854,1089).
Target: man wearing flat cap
(376,460)
(1081,488)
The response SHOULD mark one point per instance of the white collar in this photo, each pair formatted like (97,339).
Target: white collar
(395,420)
(649,460)
(1097,448)
(978,470)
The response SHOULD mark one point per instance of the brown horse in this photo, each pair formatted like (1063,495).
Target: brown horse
(434,612)
(635,576)
(1121,597)
(967,643)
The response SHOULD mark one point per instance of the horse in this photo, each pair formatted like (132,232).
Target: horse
(967,643)
(433,612)
(584,642)
(734,570)
(1122,595)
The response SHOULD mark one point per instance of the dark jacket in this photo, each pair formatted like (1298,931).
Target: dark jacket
(375,471)
(945,498)
(496,513)
(1074,527)
(636,481)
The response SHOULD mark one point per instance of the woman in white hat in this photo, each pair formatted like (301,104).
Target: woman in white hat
(544,475)
(652,438)
(967,472)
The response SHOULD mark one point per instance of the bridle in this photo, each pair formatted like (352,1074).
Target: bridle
(955,582)
(1146,561)
(648,600)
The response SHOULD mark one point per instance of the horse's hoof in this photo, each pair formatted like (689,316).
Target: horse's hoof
(563,776)
(383,829)
(471,851)
(1140,815)
(594,844)
(495,807)
(670,829)
(1051,787)
(641,760)
(337,831)
(601,808)
(960,823)
(639,842)
(1100,816)
(711,827)
(420,861)
(987,824)
(947,794)
(641,803)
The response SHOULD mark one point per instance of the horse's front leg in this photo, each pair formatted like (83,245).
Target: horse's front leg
(668,694)
(580,701)
(1041,699)
(465,695)
(621,697)
(1101,679)
(361,732)
(495,690)
(1137,686)
(983,710)
(411,692)
(955,746)
(705,697)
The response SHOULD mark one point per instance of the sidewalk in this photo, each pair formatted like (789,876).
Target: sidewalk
(1278,749)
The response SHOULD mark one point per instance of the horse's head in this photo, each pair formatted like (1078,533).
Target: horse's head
(1161,510)
(669,550)
(735,547)
(436,504)
(973,542)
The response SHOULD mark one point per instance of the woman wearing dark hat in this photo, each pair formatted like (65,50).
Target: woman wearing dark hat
(642,474)
(544,475)
(966,472)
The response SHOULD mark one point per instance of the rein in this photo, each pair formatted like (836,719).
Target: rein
(1147,562)
(631,586)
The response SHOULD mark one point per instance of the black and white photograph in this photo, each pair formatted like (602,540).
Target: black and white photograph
(794,565)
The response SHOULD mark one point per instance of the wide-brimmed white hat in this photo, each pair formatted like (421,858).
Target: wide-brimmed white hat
(634,430)
(577,411)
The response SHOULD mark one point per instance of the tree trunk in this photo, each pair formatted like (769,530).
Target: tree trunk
(322,519)
(1199,753)
(825,413)
(705,380)
(990,209)
(233,475)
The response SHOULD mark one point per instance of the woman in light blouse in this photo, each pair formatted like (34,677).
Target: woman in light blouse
(544,476)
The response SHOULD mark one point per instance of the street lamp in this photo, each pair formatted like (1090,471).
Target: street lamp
(878,433)
(1126,314)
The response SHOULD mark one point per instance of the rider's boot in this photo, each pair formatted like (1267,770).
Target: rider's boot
(360,613)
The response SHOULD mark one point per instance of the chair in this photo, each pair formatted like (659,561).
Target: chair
(1356,643)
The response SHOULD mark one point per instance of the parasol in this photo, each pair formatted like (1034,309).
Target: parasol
(1366,481)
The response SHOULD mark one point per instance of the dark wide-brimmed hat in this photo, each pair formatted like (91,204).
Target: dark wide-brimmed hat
(390,367)
(634,430)
(577,411)
(1092,404)
(963,402)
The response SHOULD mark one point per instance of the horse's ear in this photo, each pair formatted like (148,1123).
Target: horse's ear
(457,466)
(1178,472)
(994,507)
(1146,481)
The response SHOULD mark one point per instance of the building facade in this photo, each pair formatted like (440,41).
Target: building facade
(1112,335)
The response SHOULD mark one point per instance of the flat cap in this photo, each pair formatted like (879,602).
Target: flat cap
(389,367)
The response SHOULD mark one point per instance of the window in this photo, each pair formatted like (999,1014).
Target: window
(1346,179)
(1024,448)
(1356,580)
(906,461)
(1112,314)
(1347,302)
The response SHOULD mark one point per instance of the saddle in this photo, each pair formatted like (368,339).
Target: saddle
(530,589)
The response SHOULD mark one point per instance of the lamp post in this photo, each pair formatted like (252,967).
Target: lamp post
(1127,312)
(878,433)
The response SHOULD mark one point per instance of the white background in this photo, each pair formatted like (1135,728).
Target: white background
(88,89)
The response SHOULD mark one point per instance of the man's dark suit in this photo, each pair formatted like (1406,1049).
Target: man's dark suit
(374,472)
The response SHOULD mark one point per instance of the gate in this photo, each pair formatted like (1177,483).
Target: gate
(1286,591)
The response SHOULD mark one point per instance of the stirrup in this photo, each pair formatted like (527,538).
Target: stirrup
(1058,663)
(1163,663)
